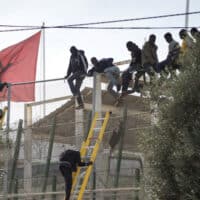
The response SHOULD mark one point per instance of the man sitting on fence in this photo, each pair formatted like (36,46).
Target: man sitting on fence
(135,66)
(172,60)
(111,71)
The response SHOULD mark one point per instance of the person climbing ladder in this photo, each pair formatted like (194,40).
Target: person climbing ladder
(69,161)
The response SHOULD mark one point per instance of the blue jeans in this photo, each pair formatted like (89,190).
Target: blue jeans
(113,74)
(161,65)
(75,82)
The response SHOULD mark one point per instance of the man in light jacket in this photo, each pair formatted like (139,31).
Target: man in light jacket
(149,56)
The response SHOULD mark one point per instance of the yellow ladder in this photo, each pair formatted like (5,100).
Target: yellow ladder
(83,149)
(79,186)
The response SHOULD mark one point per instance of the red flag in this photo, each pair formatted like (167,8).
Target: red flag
(18,64)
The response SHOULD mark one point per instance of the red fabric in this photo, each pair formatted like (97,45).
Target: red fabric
(18,64)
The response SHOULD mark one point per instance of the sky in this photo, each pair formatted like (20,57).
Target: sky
(99,43)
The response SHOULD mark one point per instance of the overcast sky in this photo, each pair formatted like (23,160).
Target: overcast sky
(99,43)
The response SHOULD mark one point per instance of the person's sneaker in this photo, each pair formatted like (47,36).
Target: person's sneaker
(124,93)
(130,91)
(81,106)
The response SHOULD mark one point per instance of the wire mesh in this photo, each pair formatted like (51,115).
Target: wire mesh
(39,128)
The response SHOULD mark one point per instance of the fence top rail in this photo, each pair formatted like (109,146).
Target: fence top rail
(122,189)
(59,79)
(40,81)
(49,100)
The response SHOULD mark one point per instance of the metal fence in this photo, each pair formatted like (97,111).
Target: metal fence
(128,177)
(38,124)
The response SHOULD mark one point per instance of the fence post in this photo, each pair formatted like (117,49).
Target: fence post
(97,107)
(87,124)
(16,189)
(108,168)
(51,141)
(6,142)
(27,148)
(54,184)
(16,155)
(136,184)
(122,130)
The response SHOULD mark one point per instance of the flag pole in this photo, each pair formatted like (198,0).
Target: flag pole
(6,139)
(44,67)
(8,112)
(186,12)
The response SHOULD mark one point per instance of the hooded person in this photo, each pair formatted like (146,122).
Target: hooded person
(76,73)
(112,72)
(68,162)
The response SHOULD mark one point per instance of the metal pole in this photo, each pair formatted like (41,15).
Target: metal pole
(121,144)
(44,68)
(108,168)
(136,184)
(79,127)
(6,155)
(97,104)
(88,124)
(105,190)
(41,81)
(94,182)
(186,13)
(16,189)
(96,98)
(54,182)
(16,155)
(50,149)
(27,149)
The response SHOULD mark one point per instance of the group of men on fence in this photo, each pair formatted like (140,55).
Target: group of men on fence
(143,61)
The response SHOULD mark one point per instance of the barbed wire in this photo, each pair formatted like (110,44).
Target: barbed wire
(105,28)
(83,25)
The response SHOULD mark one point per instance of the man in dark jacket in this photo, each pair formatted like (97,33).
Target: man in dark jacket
(100,65)
(135,66)
(69,161)
(77,71)
(111,71)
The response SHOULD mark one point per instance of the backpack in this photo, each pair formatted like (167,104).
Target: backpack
(1,113)
(107,61)
(2,86)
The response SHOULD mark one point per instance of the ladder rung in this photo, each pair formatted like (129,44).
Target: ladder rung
(97,128)
(77,189)
(89,147)
(100,119)
(86,157)
(93,138)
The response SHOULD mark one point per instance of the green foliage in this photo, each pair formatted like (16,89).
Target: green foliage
(173,145)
